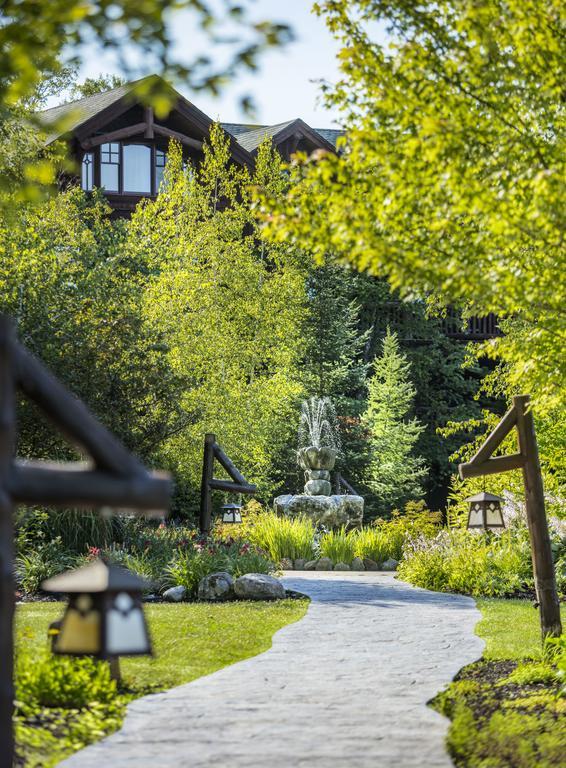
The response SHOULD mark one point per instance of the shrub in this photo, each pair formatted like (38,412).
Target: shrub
(282,537)
(61,681)
(190,565)
(468,562)
(36,565)
(339,545)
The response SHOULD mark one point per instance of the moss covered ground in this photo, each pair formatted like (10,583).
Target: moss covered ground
(509,709)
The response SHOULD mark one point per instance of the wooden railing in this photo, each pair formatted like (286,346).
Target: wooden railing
(406,320)
(475,329)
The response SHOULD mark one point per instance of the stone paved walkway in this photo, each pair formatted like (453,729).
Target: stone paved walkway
(346,686)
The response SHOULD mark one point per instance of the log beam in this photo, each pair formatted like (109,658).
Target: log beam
(76,485)
(148,114)
(121,133)
(543,565)
(491,466)
(496,437)
(161,130)
(72,417)
(7,587)
(229,487)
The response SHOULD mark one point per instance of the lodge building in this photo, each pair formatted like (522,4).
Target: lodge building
(121,146)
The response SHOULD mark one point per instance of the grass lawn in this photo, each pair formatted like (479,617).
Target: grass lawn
(507,710)
(190,640)
(511,629)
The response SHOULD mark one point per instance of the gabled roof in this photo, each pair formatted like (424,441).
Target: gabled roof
(89,114)
(75,113)
(251,136)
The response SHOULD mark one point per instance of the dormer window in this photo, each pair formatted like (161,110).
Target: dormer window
(87,171)
(124,168)
(110,167)
(137,169)
(160,161)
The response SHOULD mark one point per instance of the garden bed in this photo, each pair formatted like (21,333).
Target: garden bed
(509,709)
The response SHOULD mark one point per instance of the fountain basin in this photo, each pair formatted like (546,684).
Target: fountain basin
(327,511)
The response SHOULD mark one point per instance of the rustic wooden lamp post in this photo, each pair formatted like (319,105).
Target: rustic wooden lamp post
(238,483)
(521,417)
(113,478)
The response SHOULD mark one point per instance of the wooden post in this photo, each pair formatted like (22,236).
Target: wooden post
(115,673)
(205,490)
(543,566)
(7,587)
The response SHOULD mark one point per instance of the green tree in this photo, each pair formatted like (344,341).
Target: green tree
(230,307)
(333,366)
(451,178)
(77,303)
(394,474)
(94,85)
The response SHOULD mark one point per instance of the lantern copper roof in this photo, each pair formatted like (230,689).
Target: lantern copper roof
(95,577)
(483,496)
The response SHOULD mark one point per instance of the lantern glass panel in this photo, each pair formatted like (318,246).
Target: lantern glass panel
(493,515)
(475,518)
(80,628)
(125,627)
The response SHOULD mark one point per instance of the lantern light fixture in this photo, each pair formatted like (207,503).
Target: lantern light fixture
(104,617)
(231,513)
(485,511)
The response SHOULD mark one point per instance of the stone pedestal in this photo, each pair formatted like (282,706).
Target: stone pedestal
(317,463)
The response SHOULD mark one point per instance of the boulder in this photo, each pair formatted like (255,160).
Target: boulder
(370,565)
(216,587)
(310,565)
(357,564)
(390,565)
(324,564)
(318,488)
(258,586)
(300,564)
(319,474)
(341,567)
(327,511)
(174,594)
(280,503)
(286,564)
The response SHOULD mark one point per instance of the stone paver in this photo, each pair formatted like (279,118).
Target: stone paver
(346,686)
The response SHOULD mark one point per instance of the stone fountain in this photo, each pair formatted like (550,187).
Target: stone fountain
(317,501)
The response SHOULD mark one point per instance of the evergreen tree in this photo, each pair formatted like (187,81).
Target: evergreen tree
(333,366)
(394,474)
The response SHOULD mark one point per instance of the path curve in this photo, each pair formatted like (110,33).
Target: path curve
(346,686)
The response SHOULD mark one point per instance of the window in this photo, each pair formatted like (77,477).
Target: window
(137,169)
(110,167)
(87,171)
(160,163)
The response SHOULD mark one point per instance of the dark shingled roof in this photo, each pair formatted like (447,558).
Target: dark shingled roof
(330,134)
(250,136)
(76,113)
